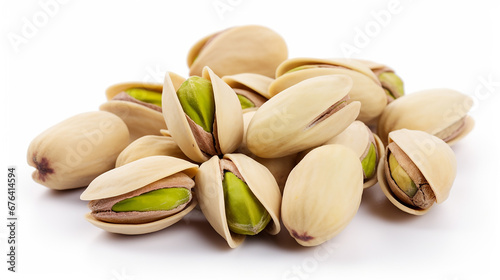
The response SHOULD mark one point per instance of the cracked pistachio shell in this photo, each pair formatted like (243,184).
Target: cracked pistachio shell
(432,156)
(280,167)
(322,194)
(133,176)
(209,192)
(228,118)
(241,49)
(150,145)
(73,152)
(358,137)
(254,87)
(290,121)
(366,86)
(141,120)
(440,112)
(396,89)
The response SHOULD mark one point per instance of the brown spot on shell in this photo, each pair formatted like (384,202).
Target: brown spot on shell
(43,168)
(303,237)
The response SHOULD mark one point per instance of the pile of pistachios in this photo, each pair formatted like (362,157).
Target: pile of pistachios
(256,140)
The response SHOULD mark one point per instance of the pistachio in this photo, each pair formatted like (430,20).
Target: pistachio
(197,100)
(238,50)
(244,213)
(440,112)
(245,102)
(322,194)
(369,162)
(417,171)
(145,95)
(301,117)
(204,116)
(73,152)
(392,84)
(238,196)
(366,87)
(142,196)
(252,89)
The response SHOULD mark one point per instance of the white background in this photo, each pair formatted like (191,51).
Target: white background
(62,64)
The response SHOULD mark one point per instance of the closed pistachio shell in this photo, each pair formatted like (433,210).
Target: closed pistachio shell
(301,117)
(133,176)
(440,112)
(359,137)
(241,49)
(366,87)
(228,126)
(150,145)
(434,159)
(322,194)
(280,167)
(211,197)
(73,152)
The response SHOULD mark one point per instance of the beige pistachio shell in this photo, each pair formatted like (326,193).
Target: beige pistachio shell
(322,194)
(287,123)
(140,120)
(250,81)
(209,192)
(279,167)
(357,137)
(73,152)
(132,176)
(432,111)
(432,156)
(242,49)
(113,90)
(366,86)
(375,66)
(134,229)
(228,118)
(150,145)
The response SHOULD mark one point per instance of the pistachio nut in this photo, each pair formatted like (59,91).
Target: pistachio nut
(251,88)
(366,87)
(137,105)
(393,84)
(322,194)
(143,196)
(280,167)
(241,49)
(238,196)
(440,112)
(417,171)
(73,152)
(150,145)
(303,116)
(367,146)
(204,116)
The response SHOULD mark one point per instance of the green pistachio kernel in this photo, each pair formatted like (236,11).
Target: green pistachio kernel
(370,162)
(404,182)
(197,100)
(395,83)
(244,212)
(245,102)
(145,95)
(158,200)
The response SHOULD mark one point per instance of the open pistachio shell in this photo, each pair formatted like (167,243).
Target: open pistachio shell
(72,153)
(433,158)
(395,87)
(440,112)
(209,191)
(280,167)
(302,116)
(150,145)
(132,176)
(250,81)
(241,49)
(359,137)
(322,194)
(228,126)
(366,86)
(141,118)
